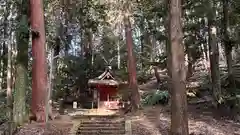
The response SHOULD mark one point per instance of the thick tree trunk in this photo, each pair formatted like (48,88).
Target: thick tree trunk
(21,82)
(227,43)
(135,97)
(39,74)
(179,120)
(214,55)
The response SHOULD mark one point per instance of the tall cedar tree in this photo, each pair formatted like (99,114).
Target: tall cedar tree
(134,97)
(39,74)
(179,120)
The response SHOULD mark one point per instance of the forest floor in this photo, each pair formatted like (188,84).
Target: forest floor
(202,121)
(154,120)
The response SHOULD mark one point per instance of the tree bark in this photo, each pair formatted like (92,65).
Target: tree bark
(179,120)
(66,34)
(135,96)
(9,88)
(227,43)
(214,54)
(21,82)
(39,74)
(9,67)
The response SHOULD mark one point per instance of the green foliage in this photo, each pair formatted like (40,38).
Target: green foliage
(155,98)
(3,107)
(3,113)
(229,95)
(143,77)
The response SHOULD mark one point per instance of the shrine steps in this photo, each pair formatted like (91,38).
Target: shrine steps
(101,126)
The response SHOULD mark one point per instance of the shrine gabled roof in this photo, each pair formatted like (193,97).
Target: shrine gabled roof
(106,78)
(106,75)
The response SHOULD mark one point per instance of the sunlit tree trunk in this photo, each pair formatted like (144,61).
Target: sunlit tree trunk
(39,74)
(179,120)
(9,86)
(7,43)
(135,97)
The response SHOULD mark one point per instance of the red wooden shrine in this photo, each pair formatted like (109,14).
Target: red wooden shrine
(105,90)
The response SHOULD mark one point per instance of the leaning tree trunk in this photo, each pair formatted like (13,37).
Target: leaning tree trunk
(227,43)
(39,74)
(179,120)
(135,96)
(214,54)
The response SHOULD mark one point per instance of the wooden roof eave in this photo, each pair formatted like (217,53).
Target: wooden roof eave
(94,82)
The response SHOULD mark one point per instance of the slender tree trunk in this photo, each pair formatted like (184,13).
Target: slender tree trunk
(1,66)
(68,36)
(227,43)
(49,89)
(4,73)
(39,74)
(214,54)
(155,68)
(9,88)
(9,68)
(190,61)
(135,97)
(57,47)
(168,47)
(179,119)
(153,48)
(118,55)
(142,34)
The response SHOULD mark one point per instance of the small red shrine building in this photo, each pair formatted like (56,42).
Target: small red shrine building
(105,90)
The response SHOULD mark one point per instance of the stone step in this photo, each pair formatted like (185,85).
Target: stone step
(101,132)
(103,125)
(101,128)
(102,122)
(103,117)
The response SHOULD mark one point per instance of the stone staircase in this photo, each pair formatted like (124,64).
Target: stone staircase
(101,125)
